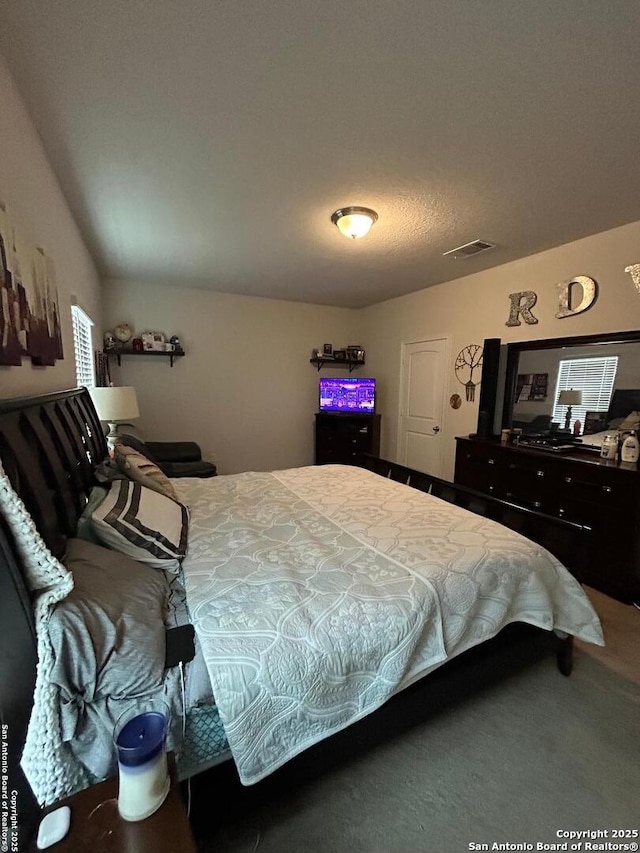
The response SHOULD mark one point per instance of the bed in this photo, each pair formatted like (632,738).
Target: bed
(623,416)
(316,595)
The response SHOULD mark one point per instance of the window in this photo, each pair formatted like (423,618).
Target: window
(83,347)
(594,377)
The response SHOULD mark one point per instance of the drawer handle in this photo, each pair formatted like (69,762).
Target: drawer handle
(561,512)
(491,461)
(539,473)
(607,489)
(491,488)
(537,504)
(568,479)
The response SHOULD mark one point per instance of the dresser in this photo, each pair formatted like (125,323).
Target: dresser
(600,494)
(343,439)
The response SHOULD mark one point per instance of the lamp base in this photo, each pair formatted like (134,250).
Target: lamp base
(567,419)
(112,436)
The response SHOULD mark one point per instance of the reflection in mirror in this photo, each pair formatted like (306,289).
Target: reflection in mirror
(605,369)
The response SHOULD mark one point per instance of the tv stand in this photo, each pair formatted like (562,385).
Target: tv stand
(344,438)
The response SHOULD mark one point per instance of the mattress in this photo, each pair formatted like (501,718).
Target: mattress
(204,742)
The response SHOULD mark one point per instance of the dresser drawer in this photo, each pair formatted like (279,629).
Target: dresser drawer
(344,438)
(347,441)
(338,456)
(603,496)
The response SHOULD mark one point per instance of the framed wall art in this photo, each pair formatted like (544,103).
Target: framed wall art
(532,386)
(29,307)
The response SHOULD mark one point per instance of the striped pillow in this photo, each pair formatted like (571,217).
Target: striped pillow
(142,470)
(143,524)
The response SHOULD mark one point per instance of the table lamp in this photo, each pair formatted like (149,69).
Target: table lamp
(569,397)
(115,405)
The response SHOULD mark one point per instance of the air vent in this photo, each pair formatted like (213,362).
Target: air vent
(470,249)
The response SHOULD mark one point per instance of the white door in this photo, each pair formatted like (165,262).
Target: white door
(422,390)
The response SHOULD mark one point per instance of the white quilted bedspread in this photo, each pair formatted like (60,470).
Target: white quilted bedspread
(318,592)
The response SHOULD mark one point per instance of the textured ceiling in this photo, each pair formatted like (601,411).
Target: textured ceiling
(207,142)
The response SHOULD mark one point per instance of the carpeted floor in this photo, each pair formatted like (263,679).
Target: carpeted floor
(501,749)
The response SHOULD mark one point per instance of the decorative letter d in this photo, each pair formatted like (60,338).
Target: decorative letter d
(589,293)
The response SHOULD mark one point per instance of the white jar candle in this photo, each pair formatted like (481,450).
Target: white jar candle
(142,763)
(609,449)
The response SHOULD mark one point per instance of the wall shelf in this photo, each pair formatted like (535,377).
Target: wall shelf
(322,361)
(145,352)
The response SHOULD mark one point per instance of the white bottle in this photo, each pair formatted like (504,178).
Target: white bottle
(630,448)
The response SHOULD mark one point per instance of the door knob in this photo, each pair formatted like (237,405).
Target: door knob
(436,429)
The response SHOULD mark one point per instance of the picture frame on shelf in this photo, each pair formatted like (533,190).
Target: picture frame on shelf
(153,341)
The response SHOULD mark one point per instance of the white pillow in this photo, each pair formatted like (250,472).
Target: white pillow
(143,524)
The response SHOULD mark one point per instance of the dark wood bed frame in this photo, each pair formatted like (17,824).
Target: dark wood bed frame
(49,447)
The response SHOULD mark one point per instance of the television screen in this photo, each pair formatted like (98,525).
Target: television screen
(348,395)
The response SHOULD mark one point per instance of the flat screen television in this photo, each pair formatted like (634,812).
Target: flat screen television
(349,395)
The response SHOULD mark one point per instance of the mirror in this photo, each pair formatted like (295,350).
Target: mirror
(531,379)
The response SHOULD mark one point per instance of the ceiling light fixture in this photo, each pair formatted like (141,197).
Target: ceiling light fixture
(354,222)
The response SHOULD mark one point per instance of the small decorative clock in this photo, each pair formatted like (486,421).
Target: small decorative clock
(123,333)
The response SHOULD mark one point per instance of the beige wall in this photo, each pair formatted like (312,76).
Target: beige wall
(245,390)
(476,307)
(38,209)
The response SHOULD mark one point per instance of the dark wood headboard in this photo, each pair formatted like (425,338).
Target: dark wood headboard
(49,447)
(623,402)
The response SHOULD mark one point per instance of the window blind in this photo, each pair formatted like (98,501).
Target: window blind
(594,377)
(83,347)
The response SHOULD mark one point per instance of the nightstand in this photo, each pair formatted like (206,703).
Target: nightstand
(97,826)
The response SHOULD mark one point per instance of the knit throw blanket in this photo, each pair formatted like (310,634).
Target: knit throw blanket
(50,769)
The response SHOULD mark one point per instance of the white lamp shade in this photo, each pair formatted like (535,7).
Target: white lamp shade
(354,222)
(115,403)
(570,397)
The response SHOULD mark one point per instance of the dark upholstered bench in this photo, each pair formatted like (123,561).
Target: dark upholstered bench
(174,458)
(180,459)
